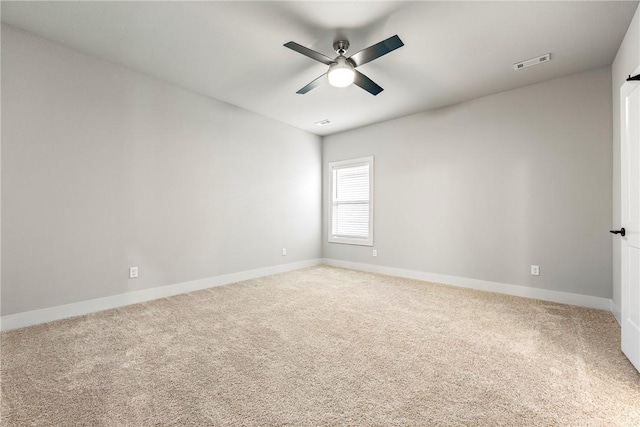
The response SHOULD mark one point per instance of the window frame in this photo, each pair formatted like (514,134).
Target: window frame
(358,241)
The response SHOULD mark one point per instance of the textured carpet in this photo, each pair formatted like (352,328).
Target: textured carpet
(323,346)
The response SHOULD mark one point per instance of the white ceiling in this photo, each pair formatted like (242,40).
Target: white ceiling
(232,51)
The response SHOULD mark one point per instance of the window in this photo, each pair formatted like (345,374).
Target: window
(351,207)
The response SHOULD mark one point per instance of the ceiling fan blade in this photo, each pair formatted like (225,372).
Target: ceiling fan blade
(376,51)
(310,53)
(314,84)
(366,83)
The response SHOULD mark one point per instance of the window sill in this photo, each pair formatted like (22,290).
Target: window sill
(351,241)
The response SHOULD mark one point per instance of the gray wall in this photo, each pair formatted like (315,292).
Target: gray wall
(103,168)
(486,188)
(627,60)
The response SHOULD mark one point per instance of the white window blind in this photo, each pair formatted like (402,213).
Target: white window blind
(351,207)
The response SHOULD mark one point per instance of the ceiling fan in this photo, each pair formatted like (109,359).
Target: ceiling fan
(342,70)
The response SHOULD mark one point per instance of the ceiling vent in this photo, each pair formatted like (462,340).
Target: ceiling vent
(531,62)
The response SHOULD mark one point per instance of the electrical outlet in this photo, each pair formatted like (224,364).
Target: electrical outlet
(375,252)
(535,270)
(284,251)
(133,272)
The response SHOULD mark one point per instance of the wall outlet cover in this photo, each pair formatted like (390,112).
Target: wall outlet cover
(133,272)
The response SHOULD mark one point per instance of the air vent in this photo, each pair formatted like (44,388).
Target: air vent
(323,122)
(531,62)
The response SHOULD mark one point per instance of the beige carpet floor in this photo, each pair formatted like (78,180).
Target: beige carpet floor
(323,346)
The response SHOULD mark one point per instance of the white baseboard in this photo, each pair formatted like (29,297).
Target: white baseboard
(28,318)
(483,285)
(615,310)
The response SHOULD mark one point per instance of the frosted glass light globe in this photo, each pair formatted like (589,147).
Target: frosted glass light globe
(341,74)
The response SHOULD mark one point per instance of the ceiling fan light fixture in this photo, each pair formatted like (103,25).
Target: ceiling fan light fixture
(341,74)
(342,71)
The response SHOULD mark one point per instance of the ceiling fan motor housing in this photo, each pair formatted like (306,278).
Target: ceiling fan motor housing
(341,46)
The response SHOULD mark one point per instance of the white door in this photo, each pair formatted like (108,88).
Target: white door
(630,243)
